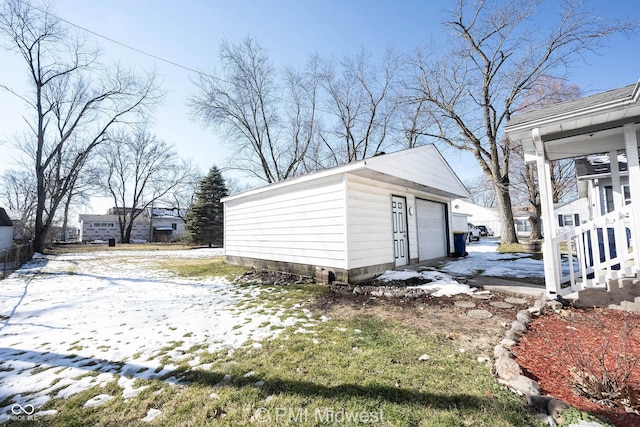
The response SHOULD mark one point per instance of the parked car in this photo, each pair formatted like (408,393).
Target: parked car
(484,230)
(473,233)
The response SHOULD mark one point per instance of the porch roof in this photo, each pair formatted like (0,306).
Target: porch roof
(563,127)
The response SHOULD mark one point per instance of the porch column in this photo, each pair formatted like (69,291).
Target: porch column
(631,145)
(551,259)
(620,236)
(616,187)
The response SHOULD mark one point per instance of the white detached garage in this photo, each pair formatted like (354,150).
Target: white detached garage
(351,222)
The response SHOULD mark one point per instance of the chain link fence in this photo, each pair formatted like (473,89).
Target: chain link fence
(13,257)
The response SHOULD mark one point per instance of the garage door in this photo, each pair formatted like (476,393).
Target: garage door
(432,234)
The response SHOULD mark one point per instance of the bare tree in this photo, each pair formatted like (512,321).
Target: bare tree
(245,100)
(74,100)
(546,91)
(301,116)
(497,53)
(360,97)
(482,192)
(183,195)
(138,171)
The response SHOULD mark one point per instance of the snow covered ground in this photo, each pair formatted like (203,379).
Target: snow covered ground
(114,313)
(482,260)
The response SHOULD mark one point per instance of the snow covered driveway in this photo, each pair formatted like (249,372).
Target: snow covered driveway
(116,313)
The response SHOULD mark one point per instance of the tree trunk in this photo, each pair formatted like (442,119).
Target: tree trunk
(536,223)
(508,230)
(65,218)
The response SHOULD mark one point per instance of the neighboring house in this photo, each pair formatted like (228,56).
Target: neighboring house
(6,230)
(604,249)
(350,222)
(100,228)
(478,215)
(155,225)
(572,214)
(595,171)
(21,232)
(167,224)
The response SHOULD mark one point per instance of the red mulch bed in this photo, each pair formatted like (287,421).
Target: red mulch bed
(581,338)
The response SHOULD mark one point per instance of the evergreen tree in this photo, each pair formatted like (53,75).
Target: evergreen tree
(204,219)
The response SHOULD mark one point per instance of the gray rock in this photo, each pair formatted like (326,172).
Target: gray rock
(506,342)
(539,303)
(512,336)
(524,316)
(507,368)
(500,351)
(534,310)
(554,305)
(518,327)
(539,403)
(358,290)
(555,408)
(524,385)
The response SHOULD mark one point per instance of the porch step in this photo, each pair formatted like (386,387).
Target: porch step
(619,294)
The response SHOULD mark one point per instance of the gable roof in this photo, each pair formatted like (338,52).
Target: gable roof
(557,111)
(4,219)
(584,126)
(411,168)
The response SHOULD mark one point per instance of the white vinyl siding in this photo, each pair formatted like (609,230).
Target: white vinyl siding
(302,223)
(339,218)
(427,169)
(370,224)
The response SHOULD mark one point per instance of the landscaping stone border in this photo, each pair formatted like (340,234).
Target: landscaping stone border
(508,371)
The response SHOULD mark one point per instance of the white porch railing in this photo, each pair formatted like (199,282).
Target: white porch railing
(595,252)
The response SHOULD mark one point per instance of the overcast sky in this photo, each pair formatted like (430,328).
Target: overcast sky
(189,33)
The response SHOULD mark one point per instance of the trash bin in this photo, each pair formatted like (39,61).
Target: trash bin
(460,243)
(112,242)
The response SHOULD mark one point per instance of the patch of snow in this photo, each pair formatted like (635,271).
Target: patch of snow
(112,313)
(97,400)
(151,415)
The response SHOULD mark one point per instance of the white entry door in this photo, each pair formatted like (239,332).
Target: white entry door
(432,231)
(400,243)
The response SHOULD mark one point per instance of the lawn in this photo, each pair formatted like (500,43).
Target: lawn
(297,366)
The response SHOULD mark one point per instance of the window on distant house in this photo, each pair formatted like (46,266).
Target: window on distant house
(626,191)
(608,191)
(608,199)
(568,220)
(174,225)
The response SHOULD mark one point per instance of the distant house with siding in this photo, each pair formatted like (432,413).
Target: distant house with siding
(167,224)
(478,215)
(350,222)
(572,214)
(6,230)
(156,225)
(94,227)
